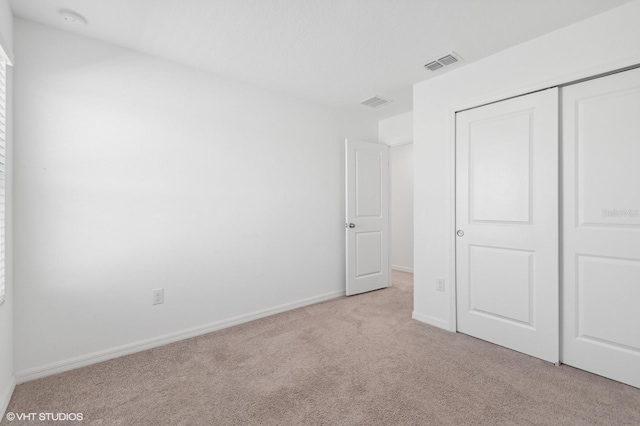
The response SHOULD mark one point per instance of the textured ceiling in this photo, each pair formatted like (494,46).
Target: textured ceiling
(335,52)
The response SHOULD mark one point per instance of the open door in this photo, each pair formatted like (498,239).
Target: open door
(367,216)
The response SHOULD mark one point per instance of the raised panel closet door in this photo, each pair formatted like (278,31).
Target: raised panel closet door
(601,226)
(507,221)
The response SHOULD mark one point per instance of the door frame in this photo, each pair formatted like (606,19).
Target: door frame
(453,309)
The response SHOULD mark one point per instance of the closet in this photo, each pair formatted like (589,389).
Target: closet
(548,224)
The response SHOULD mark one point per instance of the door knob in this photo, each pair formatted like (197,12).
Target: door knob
(460,233)
(350,225)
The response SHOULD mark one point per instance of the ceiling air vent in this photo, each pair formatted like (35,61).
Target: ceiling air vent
(443,61)
(435,65)
(374,102)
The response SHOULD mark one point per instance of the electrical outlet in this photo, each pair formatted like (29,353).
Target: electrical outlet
(440,284)
(158,296)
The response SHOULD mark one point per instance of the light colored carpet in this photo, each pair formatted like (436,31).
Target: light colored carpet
(360,360)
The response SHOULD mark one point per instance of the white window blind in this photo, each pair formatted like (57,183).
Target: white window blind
(3,169)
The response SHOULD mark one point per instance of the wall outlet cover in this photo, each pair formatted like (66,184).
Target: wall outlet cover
(158,296)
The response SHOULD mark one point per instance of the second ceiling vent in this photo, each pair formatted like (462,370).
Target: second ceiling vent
(375,102)
(443,61)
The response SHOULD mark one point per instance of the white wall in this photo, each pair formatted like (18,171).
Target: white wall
(396,130)
(7,380)
(133,173)
(600,44)
(401,169)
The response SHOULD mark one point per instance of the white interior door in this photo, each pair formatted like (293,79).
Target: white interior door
(367,216)
(507,221)
(601,226)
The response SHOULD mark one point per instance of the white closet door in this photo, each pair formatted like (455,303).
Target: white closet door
(507,219)
(601,226)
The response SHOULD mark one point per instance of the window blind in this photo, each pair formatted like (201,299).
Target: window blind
(3,170)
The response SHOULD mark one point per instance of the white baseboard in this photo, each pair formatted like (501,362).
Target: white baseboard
(436,322)
(142,345)
(5,396)
(402,268)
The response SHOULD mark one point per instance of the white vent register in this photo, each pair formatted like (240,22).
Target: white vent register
(375,102)
(443,61)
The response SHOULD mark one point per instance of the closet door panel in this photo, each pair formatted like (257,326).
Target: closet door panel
(507,218)
(601,226)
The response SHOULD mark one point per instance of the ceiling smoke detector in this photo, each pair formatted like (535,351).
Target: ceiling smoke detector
(443,61)
(73,17)
(375,102)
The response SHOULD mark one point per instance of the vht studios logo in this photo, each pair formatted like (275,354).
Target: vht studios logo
(45,417)
(620,212)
